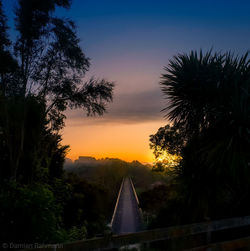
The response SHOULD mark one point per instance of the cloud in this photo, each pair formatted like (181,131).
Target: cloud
(130,107)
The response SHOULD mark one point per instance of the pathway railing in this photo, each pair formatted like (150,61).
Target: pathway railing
(116,204)
(199,233)
(137,200)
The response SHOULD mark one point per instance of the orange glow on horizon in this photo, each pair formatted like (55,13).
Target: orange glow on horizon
(114,140)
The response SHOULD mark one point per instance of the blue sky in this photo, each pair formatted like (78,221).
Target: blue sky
(129,42)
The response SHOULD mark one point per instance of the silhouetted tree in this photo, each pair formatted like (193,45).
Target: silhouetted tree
(168,138)
(51,62)
(41,75)
(47,64)
(208,98)
(167,145)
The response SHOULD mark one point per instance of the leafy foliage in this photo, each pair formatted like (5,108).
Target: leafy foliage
(31,217)
(169,138)
(41,75)
(51,63)
(208,101)
(46,65)
(167,144)
(205,90)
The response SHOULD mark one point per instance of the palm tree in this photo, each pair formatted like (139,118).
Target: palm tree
(208,95)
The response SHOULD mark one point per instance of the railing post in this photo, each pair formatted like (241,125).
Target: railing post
(116,205)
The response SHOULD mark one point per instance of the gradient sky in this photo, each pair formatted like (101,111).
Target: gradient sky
(129,42)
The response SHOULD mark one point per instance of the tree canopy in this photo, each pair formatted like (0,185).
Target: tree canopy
(50,64)
(45,65)
(209,98)
(167,145)
(208,104)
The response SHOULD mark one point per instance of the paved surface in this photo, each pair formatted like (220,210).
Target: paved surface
(127,218)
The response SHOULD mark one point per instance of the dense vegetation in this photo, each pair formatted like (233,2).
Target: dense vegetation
(41,75)
(209,110)
(108,173)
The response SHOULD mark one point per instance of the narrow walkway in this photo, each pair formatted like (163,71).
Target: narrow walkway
(127,218)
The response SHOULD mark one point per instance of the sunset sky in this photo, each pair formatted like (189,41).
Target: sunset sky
(129,42)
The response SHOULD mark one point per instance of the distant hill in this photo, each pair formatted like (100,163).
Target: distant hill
(110,170)
(88,161)
(85,160)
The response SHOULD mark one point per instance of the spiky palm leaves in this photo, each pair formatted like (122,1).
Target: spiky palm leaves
(208,94)
(201,88)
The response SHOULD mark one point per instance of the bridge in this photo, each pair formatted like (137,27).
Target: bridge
(127,216)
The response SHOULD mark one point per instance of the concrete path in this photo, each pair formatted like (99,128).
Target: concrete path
(127,217)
